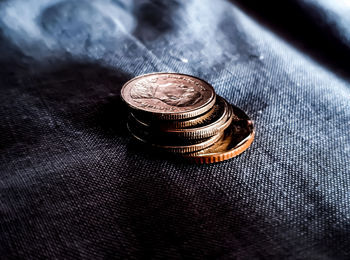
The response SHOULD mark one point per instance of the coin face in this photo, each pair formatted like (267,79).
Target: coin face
(236,139)
(169,95)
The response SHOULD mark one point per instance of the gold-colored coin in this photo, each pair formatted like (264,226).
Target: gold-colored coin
(236,139)
(173,145)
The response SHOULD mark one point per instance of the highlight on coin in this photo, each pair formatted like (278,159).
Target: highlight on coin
(182,114)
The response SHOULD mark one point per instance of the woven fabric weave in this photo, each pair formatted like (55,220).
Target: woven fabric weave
(73,183)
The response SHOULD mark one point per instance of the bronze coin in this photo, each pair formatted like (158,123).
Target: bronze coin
(173,145)
(206,126)
(165,124)
(217,122)
(169,96)
(213,126)
(236,139)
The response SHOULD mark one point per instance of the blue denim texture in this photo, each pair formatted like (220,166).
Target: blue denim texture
(73,183)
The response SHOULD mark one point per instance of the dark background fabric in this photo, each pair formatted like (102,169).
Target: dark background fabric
(73,183)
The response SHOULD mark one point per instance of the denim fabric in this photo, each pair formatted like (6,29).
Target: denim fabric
(73,183)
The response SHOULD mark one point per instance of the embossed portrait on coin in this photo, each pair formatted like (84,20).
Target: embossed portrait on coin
(173,94)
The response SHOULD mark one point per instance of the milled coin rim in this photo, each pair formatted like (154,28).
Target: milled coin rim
(219,157)
(219,124)
(181,149)
(208,130)
(172,115)
(213,157)
(175,123)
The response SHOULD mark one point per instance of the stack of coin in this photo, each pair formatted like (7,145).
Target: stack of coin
(182,114)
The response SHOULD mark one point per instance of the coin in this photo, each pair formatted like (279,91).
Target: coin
(201,119)
(181,114)
(169,96)
(212,125)
(236,139)
(175,146)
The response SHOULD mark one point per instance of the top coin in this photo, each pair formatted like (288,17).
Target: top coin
(169,96)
